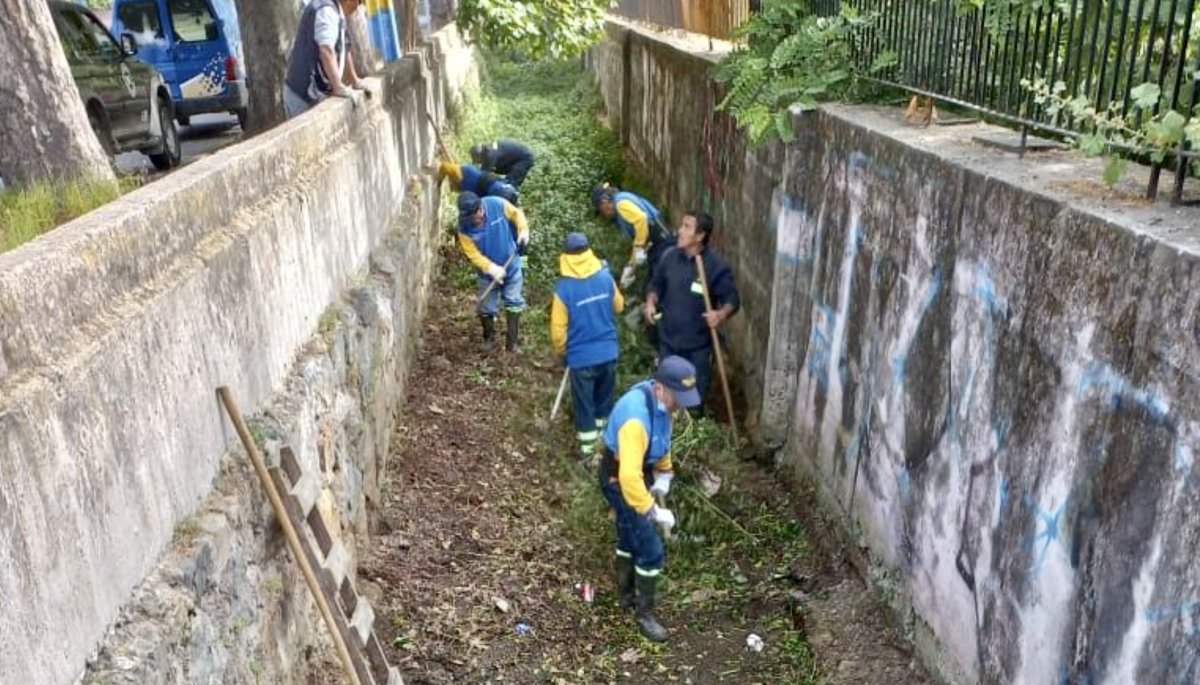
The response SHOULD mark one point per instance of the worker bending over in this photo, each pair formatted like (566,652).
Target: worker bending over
(635,468)
(583,330)
(494,234)
(640,221)
(505,157)
(471,179)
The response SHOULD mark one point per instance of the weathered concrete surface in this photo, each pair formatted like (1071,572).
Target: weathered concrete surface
(116,329)
(988,364)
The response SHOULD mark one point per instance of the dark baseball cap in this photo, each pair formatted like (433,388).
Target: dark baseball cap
(468,204)
(679,376)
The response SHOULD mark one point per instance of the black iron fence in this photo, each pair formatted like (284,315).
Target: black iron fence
(986,54)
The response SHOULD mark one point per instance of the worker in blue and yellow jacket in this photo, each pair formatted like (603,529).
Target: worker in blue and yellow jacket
(583,330)
(472,179)
(635,477)
(640,221)
(494,234)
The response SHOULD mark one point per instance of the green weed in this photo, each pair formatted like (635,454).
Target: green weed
(29,212)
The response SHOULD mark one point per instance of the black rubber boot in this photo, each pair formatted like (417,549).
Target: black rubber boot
(512,341)
(489,334)
(624,568)
(647,622)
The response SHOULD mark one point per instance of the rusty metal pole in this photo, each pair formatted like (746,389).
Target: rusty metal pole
(293,538)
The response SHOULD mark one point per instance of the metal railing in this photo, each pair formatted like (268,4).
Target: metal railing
(716,18)
(1101,50)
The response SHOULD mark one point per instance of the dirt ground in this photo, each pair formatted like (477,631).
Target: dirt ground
(489,523)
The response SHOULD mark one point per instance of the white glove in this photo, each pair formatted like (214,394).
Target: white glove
(639,256)
(662,484)
(627,277)
(497,273)
(663,517)
(523,238)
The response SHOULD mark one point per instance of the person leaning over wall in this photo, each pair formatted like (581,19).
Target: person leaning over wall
(320,64)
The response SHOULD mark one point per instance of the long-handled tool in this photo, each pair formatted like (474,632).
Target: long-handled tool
(440,143)
(562,387)
(716,341)
(487,291)
(289,531)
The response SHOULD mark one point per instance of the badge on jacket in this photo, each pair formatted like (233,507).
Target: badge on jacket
(697,288)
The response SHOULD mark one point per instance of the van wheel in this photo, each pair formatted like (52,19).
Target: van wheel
(171,153)
(99,124)
(243,115)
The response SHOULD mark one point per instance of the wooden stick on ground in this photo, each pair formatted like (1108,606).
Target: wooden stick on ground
(562,387)
(310,578)
(716,341)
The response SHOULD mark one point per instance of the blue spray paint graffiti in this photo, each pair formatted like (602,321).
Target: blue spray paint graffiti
(1049,530)
(1102,380)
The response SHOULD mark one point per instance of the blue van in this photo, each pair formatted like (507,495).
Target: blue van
(195,45)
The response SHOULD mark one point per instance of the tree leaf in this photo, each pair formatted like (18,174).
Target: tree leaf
(1114,170)
(1092,145)
(1146,95)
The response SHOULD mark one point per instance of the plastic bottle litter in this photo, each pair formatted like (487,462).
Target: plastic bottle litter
(754,643)
(586,592)
(524,629)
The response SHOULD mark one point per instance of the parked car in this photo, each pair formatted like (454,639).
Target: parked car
(197,46)
(127,101)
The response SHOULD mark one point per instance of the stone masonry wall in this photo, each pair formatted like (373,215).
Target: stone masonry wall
(132,539)
(988,364)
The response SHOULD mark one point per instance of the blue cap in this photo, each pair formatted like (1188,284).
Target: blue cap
(468,204)
(602,192)
(576,243)
(679,376)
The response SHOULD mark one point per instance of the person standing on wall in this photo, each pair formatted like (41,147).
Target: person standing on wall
(493,235)
(636,454)
(508,158)
(472,179)
(675,290)
(320,61)
(583,330)
(640,221)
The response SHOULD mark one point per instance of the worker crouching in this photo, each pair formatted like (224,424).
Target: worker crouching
(583,330)
(493,235)
(635,477)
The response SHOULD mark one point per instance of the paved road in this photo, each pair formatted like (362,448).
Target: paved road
(206,133)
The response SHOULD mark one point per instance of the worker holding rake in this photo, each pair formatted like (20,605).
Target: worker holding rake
(635,478)
(493,235)
(583,330)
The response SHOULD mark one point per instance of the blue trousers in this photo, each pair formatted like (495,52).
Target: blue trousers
(512,292)
(592,390)
(637,536)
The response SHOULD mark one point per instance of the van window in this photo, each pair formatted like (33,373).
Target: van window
(140,19)
(87,39)
(193,21)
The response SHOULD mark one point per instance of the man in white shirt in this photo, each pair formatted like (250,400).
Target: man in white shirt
(320,61)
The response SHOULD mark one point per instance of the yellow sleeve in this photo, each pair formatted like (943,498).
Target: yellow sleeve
(452,171)
(664,465)
(618,300)
(471,250)
(632,443)
(516,216)
(638,219)
(559,318)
